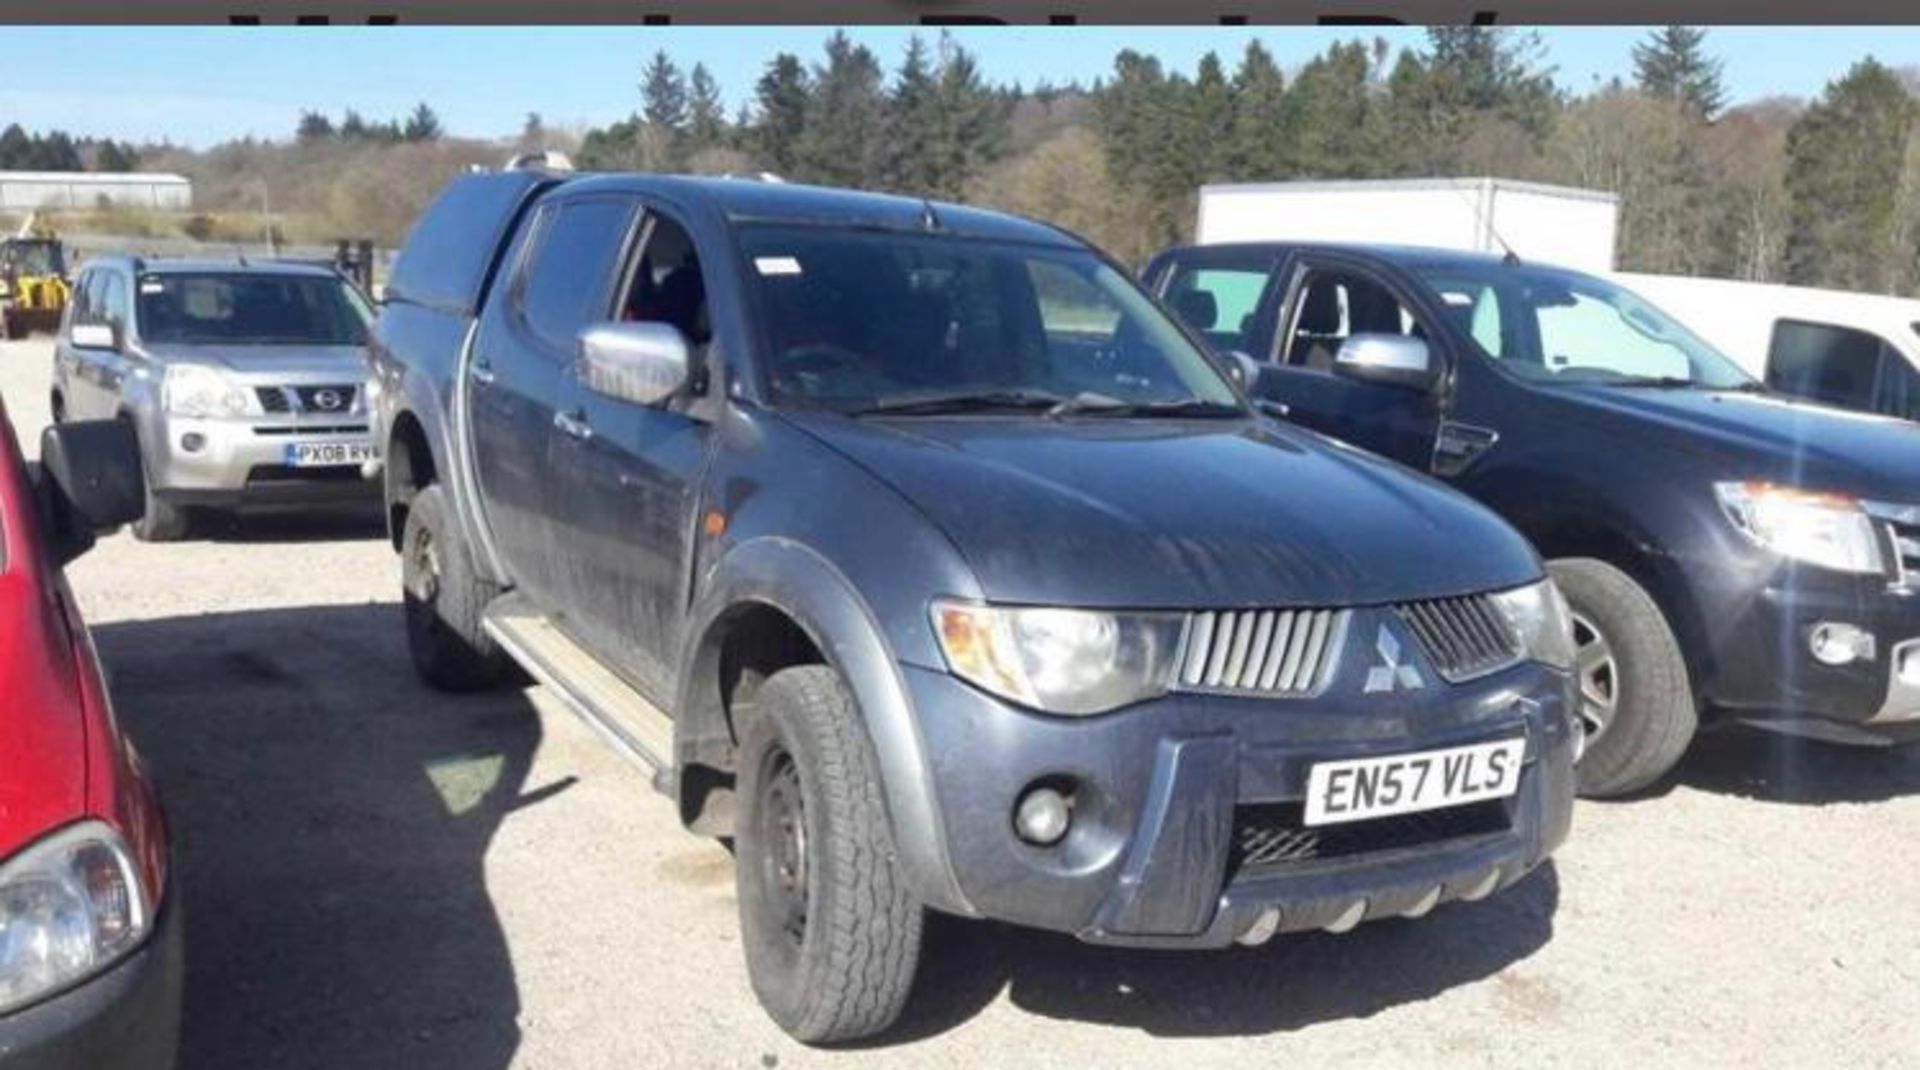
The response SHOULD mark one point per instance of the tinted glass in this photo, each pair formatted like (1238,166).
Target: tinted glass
(1564,327)
(855,319)
(178,308)
(1836,365)
(1218,302)
(568,282)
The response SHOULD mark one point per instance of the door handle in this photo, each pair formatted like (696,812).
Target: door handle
(482,372)
(573,424)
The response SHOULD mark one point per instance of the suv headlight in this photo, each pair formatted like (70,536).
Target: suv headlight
(1068,661)
(1541,622)
(194,390)
(70,906)
(1829,530)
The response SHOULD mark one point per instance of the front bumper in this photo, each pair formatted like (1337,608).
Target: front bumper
(1165,791)
(244,461)
(1765,672)
(126,1018)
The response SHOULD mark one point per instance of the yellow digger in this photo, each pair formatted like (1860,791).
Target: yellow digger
(34,287)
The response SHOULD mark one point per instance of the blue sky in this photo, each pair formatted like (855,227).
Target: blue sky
(201,85)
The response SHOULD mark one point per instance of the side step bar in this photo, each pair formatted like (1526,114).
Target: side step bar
(626,719)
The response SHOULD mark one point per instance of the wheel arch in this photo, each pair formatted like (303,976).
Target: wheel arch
(410,467)
(783,600)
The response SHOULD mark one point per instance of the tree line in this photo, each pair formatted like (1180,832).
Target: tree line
(58,150)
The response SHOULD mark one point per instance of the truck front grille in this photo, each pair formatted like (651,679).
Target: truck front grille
(1462,637)
(1902,526)
(1262,651)
(325,399)
(1270,835)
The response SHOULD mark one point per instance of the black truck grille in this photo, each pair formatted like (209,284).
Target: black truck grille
(309,399)
(1462,637)
(1268,835)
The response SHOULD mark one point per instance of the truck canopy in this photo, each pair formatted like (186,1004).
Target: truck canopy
(449,258)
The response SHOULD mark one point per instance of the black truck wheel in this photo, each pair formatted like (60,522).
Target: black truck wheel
(1636,701)
(443,599)
(831,933)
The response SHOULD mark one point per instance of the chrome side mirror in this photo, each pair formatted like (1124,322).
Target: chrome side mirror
(94,336)
(1388,359)
(644,363)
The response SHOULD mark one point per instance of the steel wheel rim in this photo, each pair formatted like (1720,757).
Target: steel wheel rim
(1598,673)
(426,571)
(783,835)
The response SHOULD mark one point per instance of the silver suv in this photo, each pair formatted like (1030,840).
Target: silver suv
(247,382)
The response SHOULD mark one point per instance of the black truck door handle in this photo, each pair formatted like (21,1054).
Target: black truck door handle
(573,424)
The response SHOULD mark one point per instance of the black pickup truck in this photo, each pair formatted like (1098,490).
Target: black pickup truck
(1728,551)
(920,552)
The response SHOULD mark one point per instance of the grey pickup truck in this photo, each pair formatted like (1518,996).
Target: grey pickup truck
(917,550)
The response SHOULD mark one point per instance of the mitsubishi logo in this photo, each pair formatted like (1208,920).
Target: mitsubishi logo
(1391,674)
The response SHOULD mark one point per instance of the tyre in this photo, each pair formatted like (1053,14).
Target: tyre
(831,933)
(443,599)
(1636,701)
(162,521)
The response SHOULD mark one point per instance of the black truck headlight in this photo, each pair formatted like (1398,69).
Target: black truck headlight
(1829,530)
(1538,615)
(1066,661)
(71,905)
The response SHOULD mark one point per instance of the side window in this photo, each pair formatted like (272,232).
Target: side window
(666,286)
(1824,362)
(81,313)
(1336,305)
(567,281)
(1219,302)
(113,305)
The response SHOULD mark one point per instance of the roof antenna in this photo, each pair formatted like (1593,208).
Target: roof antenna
(1510,258)
(929,219)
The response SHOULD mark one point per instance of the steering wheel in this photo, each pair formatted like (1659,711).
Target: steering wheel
(819,360)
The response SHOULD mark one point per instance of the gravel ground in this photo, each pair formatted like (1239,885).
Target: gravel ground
(375,875)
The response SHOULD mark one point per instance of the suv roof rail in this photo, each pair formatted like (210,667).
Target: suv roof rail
(755,176)
(544,160)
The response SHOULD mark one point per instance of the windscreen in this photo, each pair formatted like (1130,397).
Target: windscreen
(1548,325)
(180,308)
(865,320)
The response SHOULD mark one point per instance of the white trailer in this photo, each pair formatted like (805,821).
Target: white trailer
(1544,224)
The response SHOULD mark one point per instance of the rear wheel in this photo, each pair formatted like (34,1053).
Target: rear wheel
(161,520)
(1636,701)
(832,935)
(443,600)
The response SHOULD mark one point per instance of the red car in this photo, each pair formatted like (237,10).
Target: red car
(90,959)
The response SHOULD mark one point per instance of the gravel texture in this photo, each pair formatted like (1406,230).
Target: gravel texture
(375,875)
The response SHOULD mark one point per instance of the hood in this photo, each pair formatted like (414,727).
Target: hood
(1181,514)
(290,363)
(1774,437)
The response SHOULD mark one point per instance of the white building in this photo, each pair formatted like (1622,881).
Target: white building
(24,191)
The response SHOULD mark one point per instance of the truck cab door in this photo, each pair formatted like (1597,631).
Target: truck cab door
(1328,318)
(560,281)
(629,467)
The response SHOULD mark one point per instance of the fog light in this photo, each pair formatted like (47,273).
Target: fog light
(1836,644)
(193,442)
(1042,816)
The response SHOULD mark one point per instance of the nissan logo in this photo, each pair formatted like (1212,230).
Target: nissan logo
(327,400)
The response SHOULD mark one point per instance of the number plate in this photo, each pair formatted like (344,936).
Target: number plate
(327,454)
(1362,788)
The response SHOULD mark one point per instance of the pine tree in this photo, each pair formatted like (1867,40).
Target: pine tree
(1331,108)
(1671,65)
(841,141)
(314,126)
(663,96)
(113,158)
(706,112)
(1203,151)
(353,127)
(970,122)
(1845,158)
(16,148)
(781,98)
(913,123)
(1258,141)
(422,125)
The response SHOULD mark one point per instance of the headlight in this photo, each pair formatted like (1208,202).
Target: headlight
(1070,661)
(1829,530)
(1539,618)
(70,906)
(193,390)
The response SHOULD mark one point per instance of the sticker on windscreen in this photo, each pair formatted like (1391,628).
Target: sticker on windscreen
(776,265)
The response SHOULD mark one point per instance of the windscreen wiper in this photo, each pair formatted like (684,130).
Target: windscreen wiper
(1101,405)
(963,401)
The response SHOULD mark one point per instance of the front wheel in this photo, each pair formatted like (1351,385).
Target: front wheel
(1636,700)
(832,935)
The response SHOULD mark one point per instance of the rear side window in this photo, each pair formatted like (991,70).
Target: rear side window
(567,281)
(449,257)
(1219,302)
(1841,366)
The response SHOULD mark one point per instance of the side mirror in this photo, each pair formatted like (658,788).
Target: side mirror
(644,363)
(94,336)
(92,482)
(1244,369)
(1388,359)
